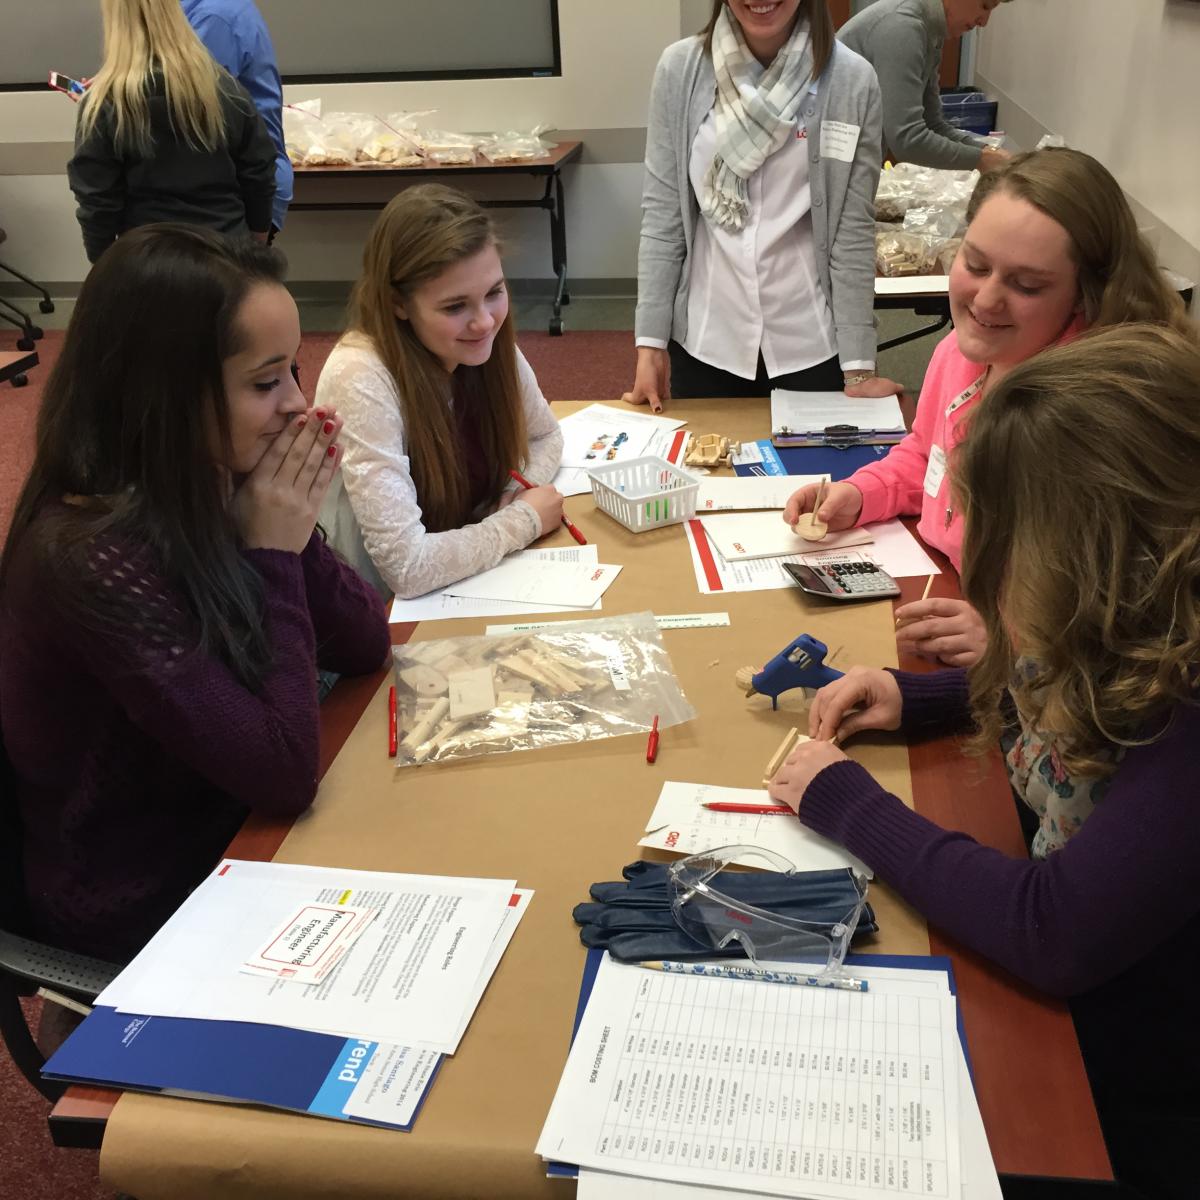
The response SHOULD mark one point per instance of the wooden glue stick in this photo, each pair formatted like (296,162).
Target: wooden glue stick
(785,748)
(924,596)
(820,497)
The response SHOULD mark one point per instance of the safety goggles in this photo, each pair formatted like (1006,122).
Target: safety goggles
(716,919)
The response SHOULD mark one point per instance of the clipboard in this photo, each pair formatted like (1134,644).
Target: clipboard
(836,437)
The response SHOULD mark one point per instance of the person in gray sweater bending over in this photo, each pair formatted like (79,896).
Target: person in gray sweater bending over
(902,40)
(757,257)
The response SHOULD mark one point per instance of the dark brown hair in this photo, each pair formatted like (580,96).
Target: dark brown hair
(1081,549)
(820,27)
(125,432)
(423,231)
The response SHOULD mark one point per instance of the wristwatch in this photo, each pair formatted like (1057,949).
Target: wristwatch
(854,378)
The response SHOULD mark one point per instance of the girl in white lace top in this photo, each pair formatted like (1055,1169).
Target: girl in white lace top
(438,405)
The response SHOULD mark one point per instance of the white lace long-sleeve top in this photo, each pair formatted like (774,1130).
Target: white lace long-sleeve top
(372,514)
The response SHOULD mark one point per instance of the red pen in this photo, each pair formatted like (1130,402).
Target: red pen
(652,742)
(570,528)
(762,810)
(391,722)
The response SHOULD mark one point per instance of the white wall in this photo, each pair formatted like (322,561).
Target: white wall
(609,49)
(1119,79)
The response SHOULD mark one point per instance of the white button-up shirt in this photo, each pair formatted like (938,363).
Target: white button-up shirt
(756,287)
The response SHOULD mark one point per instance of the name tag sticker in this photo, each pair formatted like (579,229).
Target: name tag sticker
(839,140)
(935,472)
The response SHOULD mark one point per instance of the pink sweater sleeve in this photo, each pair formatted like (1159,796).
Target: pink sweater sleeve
(893,486)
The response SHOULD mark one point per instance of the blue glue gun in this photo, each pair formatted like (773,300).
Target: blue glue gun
(799,664)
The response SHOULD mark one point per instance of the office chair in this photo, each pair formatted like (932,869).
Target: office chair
(9,312)
(26,964)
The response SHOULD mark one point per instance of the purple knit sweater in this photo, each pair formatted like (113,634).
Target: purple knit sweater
(1111,919)
(137,759)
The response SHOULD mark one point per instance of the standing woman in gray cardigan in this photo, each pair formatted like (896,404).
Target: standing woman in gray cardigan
(903,40)
(757,259)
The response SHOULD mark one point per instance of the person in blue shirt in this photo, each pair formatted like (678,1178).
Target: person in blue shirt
(236,35)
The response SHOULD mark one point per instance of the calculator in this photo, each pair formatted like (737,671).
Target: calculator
(843,580)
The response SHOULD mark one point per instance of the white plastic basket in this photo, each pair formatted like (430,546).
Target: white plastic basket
(645,493)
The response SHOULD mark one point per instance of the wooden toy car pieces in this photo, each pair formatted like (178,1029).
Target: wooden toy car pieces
(708,450)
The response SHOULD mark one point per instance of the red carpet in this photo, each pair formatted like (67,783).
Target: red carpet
(578,366)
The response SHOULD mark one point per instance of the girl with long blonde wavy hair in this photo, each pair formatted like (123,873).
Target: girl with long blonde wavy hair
(165,134)
(439,404)
(1080,482)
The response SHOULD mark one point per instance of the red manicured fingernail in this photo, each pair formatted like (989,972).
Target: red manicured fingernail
(328,426)
(319,414)
(331,451)
(300,422)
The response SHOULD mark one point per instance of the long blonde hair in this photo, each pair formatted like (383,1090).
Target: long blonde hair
(423,231)
(141,37)
(1081,549)
(1119,280)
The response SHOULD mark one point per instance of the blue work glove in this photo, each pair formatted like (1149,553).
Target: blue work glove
(633,921)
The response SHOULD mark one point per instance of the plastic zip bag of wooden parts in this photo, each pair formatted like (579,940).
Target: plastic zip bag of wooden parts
(444,146)
(906,186)
(377,143)
(314,138)
(572,681)
(514,147)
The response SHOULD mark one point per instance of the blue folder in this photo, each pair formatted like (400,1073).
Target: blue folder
(811,460)
(294,1069)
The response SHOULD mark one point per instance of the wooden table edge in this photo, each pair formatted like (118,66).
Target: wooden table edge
(562,153)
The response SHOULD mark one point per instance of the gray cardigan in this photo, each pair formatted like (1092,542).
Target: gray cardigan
(843,194)
(902,40)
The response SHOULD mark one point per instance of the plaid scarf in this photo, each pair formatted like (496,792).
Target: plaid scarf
(753,120)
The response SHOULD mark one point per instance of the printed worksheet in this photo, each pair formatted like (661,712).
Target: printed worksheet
(723,493)
(680,822)
(411,976)
(737,536)
(669,441)
(979,1178)
(793,1091)
(572,585)
(894,549)
(441,606)
(599,434)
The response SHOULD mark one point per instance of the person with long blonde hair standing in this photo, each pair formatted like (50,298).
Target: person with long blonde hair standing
(439,405)
(165,134)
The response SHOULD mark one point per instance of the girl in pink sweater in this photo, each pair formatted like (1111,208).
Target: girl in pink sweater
(1051,248)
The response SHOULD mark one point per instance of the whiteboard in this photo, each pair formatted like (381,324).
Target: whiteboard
(320,41)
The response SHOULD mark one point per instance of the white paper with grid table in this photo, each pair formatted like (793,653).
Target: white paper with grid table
(791,1091)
